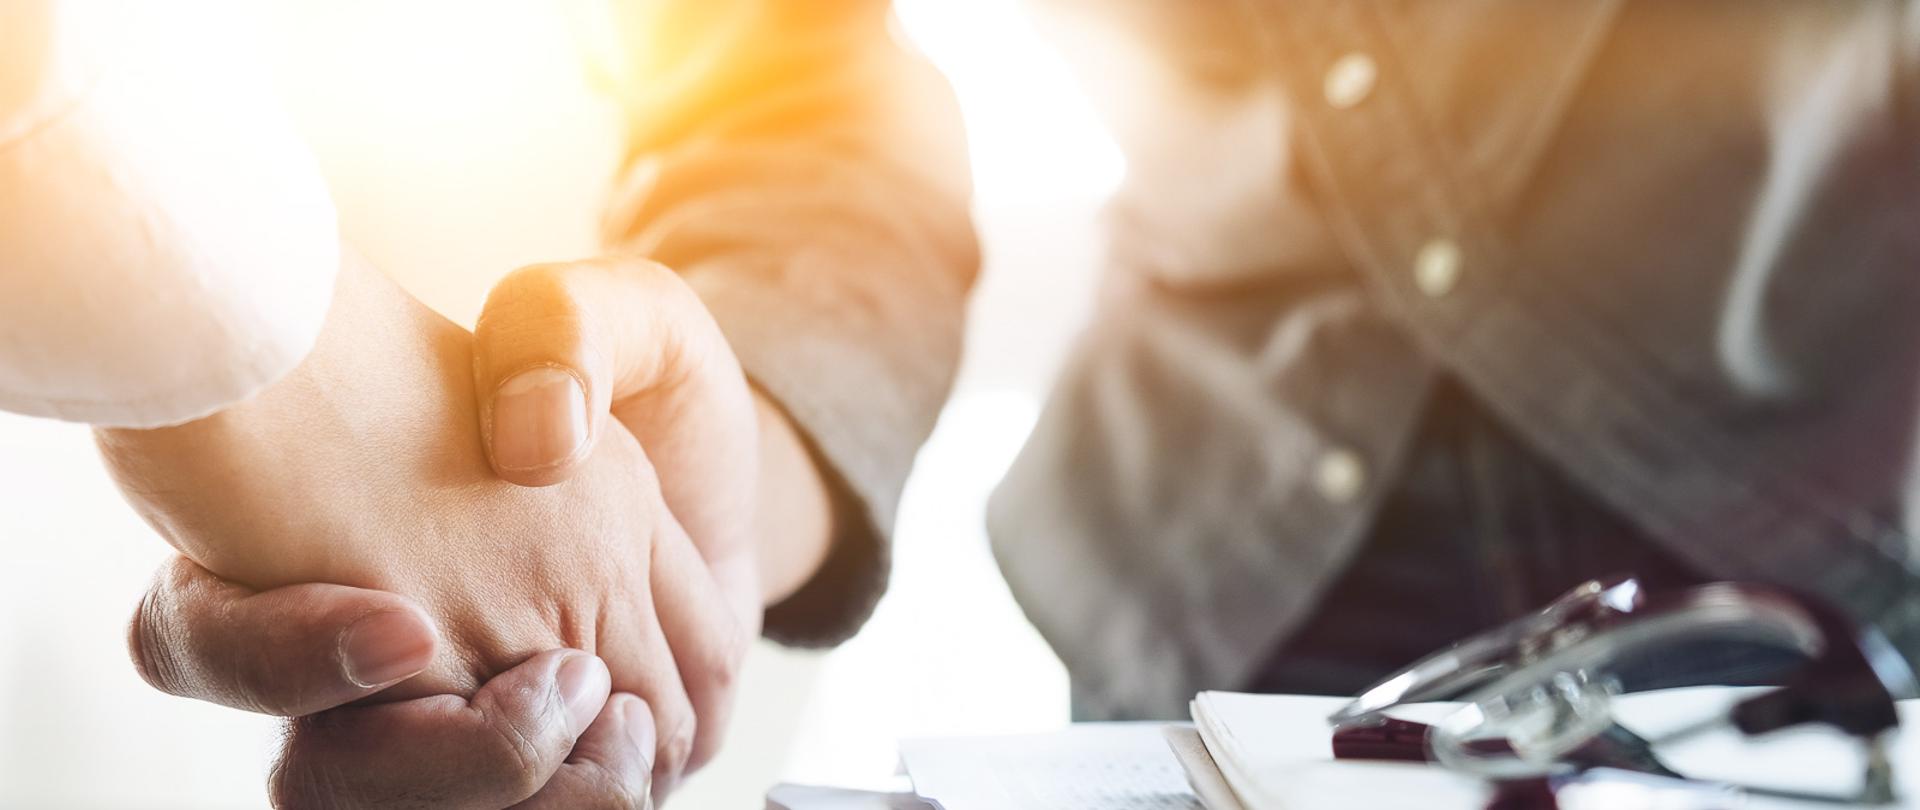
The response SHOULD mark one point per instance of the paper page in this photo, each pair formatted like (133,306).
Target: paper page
(1095,766)
(1203,774)
(813,797)
(1276,752)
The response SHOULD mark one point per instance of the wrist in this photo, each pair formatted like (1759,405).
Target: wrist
(794,519)
(219,487)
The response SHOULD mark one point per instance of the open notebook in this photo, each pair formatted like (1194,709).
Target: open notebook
(1274,752)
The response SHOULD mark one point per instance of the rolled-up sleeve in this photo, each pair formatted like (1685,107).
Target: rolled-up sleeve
(167,246)
(806,173)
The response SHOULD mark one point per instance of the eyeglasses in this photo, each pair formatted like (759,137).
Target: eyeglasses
(1538,693)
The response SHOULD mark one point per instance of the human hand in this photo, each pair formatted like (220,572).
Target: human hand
(557,345)
(361,469)
(625,336)
(545,733)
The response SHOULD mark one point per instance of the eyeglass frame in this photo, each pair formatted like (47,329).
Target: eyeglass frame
(1851,680)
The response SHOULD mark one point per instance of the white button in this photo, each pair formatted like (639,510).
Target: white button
(1437,269)
(1339,475)
(1350,80)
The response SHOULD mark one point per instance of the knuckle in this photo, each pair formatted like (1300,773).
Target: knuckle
(602,788)
(171,640)
(720,669)
(536,292)
(664,282)
(663,288)
(295,783)
(656,277)
(675,746)
(733,656)
(515,754)
(150,647)
(289,787)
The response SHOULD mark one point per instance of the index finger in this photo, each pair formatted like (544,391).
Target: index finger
(709,644)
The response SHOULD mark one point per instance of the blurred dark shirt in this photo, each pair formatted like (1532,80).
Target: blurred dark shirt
(1674,248)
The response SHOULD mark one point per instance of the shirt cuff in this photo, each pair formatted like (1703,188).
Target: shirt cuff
(167,244)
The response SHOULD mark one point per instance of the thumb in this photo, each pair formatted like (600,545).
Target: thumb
(445,751)
(557,345)
(288,652)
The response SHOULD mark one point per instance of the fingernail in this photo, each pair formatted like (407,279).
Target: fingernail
(584,685)
(640,728)
(539,419)
(384,647)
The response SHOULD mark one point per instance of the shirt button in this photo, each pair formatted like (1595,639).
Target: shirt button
(1437,269)
(1339,475)
(1350,80)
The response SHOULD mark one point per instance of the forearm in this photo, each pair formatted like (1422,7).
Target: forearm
(807,177)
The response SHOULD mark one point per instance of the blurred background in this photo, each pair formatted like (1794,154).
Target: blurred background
(463,139)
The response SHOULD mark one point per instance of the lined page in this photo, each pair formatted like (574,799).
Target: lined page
(1095,766)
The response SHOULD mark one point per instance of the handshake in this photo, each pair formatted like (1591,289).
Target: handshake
(518,567)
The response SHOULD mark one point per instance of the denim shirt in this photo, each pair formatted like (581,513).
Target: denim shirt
(1674,246)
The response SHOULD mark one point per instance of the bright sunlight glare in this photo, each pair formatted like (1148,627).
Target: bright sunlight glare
(1031,129)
